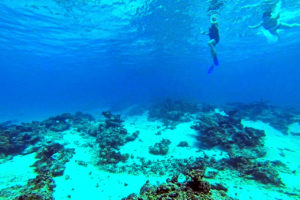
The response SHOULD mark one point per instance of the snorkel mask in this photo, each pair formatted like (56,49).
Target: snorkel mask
(214,19)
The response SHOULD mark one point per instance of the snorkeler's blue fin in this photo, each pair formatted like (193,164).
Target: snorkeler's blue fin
(211,69)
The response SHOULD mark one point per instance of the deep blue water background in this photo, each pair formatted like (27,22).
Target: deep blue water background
(63,56)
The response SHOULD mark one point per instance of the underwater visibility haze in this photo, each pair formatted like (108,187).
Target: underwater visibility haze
(99,96)
(73,55)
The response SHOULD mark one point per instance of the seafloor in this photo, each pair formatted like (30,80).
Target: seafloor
(169,150)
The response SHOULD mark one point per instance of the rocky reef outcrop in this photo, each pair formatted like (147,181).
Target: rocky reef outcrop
(65,121)
(171,112)
(39,188)
(14,139)
(110,136)
(265,172)
(160,148)
(194,187)
(52,159)
(51,163)
(243,145)
(228,133)
(277,117)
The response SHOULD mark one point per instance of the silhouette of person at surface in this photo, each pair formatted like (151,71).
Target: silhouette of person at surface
(271,18)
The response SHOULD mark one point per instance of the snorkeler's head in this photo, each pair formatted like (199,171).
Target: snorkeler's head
(267,14)
(214,19)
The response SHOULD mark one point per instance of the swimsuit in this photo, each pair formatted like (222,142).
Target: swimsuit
(271,24)
(214,33)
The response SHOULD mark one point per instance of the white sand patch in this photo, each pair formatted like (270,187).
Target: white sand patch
(89,182)
(221,112)
(245,189)
(294,128)
(17,171)
(137,122)
(148,137)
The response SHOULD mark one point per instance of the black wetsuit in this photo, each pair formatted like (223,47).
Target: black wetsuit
(214,33)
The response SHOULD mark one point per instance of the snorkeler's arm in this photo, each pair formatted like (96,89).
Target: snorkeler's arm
(251,6)
(255,26)
(204,33)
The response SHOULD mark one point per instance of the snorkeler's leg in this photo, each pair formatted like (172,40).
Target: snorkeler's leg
(213,53)
(212,44)
(275,33)
(287,26)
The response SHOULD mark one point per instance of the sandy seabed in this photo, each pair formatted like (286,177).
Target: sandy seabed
(88,181)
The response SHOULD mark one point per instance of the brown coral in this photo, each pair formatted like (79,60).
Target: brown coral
(193,189)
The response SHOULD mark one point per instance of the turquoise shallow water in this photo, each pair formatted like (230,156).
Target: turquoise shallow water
(147,60)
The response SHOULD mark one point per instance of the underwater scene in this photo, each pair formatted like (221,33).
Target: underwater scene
(149,99)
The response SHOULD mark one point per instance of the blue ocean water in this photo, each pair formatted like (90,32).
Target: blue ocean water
(63,55)
(148,61)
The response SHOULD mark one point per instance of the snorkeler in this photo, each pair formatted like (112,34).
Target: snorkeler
(270,19)
(214,37)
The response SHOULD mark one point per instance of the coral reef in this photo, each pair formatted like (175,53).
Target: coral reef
(226,132)
(159,167)
(244,146)
(183,144)
(160,148)
(39,188)
(194,187)
(264,172)
(171,112)
(58,123)
(277,117)
(52,159)
(110,136)
(64,121)
(14,139)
